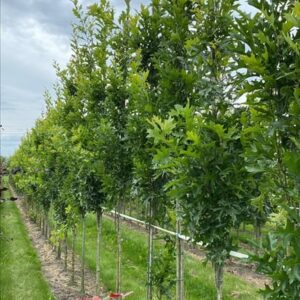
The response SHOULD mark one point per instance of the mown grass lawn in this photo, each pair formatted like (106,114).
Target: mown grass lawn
(199,282)
(20,270)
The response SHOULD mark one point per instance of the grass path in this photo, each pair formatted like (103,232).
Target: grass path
(20,269)
(199,283)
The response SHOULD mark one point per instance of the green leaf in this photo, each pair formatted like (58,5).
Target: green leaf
(254,64)
(192,136)
(292,161)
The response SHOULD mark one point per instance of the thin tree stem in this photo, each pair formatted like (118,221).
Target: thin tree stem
(99,228)
(66,251)
(219,274)
(179,258)
(150,254)
(73,254)
(119,250)
(83,254)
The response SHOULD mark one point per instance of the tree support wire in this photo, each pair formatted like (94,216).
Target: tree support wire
(181,236)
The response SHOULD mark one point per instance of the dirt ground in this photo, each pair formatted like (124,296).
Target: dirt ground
(53,268)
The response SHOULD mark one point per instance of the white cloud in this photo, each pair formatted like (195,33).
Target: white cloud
(34,34)
(29,49)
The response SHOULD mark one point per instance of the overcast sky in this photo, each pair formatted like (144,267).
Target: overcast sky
(34,34)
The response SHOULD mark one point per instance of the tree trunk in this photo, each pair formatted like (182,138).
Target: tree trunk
(258,236)
(219,274)
(43,225)
(66,251)
(130,209)
(46,227)
(119,250)
(179,257)
(99,228)
(150,253)
(48,230)
(58,249)
(73,255)
(82,290)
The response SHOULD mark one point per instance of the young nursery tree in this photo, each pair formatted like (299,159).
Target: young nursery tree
(270,72)
(142,82)
(114,150)
(204,160)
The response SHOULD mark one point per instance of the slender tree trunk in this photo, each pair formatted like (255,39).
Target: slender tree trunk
(130,209)
(150,253)
(66,250)
(49,228)
(179,257)
(99,228)
(256,232)
(59,249)
(46,227)
(43,225)
(219,275)
(73,255)
(238,236)
(83,254)
(119,251)
(256,239)
(257,235)
(41,222)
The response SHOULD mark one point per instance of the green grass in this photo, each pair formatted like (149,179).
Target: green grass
(199,281)
(20,270)
(246,239)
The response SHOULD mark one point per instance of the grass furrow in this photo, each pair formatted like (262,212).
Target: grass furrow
(20,269)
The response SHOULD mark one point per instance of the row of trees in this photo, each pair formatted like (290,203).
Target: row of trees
(186,105)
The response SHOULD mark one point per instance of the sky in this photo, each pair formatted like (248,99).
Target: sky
(34,34)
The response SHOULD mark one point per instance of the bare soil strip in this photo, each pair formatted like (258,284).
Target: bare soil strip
(53,269)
